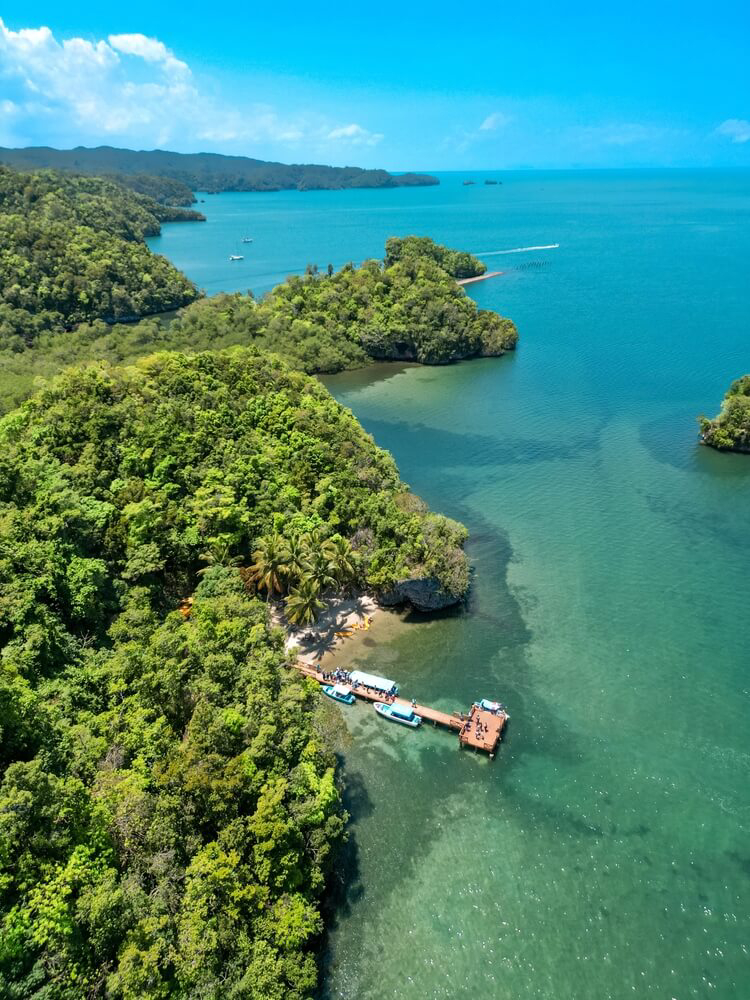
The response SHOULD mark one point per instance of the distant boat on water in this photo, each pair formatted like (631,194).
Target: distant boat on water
(467,183)
(247,239)
(236,256)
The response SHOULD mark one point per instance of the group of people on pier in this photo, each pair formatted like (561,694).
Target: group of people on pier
(338,676)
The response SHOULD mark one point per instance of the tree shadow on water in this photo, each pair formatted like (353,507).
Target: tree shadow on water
(345,888)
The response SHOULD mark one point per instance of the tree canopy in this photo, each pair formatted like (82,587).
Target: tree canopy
(72,250)
(730,430)
(405,308)
(168,808)
(456,262)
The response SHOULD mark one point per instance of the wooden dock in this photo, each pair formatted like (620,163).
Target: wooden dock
(477,728)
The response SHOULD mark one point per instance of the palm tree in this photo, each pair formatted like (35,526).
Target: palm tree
(303,604)
(218,553)
(320,571)
(298,566)
(271,563)
(340,558)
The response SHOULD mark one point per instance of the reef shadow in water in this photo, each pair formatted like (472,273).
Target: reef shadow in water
(480,451)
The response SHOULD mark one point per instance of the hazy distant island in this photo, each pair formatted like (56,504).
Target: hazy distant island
(212,172)
(730,430)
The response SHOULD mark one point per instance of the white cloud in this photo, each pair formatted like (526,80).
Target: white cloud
(355,135)
(736,129)
(150,50)
(133,89)
(495,121)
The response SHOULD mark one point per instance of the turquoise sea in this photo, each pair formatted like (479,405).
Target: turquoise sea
(605,852)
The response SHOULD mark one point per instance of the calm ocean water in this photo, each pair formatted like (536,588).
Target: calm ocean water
(605,853)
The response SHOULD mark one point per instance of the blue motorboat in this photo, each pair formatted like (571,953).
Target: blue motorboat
(404,714)
(496,707)
(339,692)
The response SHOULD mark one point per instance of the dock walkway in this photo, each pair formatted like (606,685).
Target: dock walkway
(477,729)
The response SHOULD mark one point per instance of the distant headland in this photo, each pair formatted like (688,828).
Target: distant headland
(212,172)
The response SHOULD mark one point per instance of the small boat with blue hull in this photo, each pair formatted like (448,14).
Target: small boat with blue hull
(496,707)
(398,713)
(339,692)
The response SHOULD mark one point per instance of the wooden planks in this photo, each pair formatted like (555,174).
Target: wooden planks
(483,730)
(480,730)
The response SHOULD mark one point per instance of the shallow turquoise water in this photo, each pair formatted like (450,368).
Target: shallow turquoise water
(605,852)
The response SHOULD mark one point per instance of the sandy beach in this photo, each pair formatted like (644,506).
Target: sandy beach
(481,277)
(342,619)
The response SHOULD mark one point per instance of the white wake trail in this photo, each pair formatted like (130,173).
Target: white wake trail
(495,253)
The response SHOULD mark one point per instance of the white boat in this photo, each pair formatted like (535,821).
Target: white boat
(374,681)
(496,707)
(339,692)
(247,239)
(236,256)
(404,714)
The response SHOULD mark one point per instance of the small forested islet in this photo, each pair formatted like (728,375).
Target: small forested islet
(730,430)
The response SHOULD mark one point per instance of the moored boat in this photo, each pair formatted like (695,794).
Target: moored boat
(496,707)
(404,714)
(373,681)
(339,692)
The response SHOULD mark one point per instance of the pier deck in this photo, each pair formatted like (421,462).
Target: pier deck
(467,725)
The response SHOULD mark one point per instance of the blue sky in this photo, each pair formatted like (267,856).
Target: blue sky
(403,86)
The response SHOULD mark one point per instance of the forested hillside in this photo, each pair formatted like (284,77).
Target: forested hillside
(730,431)
(167,805)
(72,250)
(457,263)
(410,308)
(211,172)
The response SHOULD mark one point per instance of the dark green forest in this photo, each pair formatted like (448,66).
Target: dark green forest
(457,263)
(72,250)
(408,308)
(212,172)
(168,809)
(730,430)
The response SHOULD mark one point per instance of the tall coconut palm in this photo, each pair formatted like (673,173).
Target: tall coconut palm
(298,566)
(218,553)
(303,604)
(271,563)
(340,558)
(320,571)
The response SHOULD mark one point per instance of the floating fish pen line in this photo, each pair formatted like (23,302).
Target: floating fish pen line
(479,729)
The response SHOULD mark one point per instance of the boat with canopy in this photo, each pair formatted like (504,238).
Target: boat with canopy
(373,681)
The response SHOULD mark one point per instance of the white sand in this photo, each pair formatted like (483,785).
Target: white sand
(313,642)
